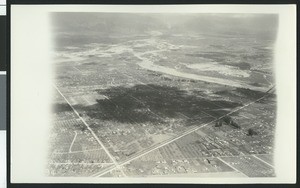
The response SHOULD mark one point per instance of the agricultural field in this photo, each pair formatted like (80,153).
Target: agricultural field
(163,104)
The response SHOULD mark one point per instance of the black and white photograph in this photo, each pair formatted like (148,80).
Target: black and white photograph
(155,95)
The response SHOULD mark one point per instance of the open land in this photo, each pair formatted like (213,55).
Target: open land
(156,105)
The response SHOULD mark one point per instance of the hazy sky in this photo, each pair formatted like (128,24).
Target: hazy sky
(87,25)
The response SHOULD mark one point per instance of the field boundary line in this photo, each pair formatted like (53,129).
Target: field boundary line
(93,133)
(263,161)
(179,136)
(70,149)
(231,166)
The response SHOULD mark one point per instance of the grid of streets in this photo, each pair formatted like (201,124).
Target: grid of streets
(120,165)
(152,105)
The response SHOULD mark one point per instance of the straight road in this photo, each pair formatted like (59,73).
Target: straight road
(174,139)
(93,133)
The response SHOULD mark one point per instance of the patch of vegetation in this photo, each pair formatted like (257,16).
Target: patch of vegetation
(61,107)
(256,84)
(251,132)
(242,65)
(150,103)
(250,94)
(229,121)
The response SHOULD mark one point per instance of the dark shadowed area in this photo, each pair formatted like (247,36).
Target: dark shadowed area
(61,107)
(151,103)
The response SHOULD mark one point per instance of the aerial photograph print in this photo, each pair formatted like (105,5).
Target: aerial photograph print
(157,95)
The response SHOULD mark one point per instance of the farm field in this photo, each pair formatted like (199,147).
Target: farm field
(158,104)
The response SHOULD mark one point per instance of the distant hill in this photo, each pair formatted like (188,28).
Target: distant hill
(105,23)
(81,26)
(261,26)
